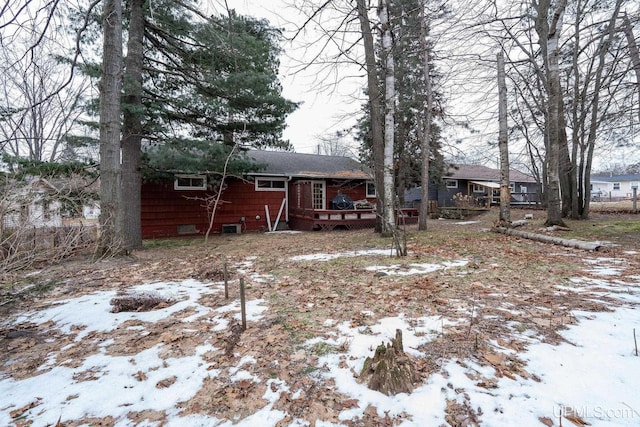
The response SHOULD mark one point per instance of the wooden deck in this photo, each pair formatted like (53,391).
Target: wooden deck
(310,219)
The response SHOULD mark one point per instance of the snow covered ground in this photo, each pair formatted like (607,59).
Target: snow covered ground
(592,377)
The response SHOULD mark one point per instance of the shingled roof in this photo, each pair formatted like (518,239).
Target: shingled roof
(615,178)
(483,173)
(299,165)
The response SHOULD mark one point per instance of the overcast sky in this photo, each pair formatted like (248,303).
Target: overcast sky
(324,112)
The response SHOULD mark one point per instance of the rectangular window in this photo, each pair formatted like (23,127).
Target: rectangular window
(478,188)
(512,187)
(271,184)
(187,229)
(616,185)
(523,189)
(451,183)
(190,182)
(371,189)
(317,189)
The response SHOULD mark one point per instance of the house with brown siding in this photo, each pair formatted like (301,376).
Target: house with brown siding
(289,190)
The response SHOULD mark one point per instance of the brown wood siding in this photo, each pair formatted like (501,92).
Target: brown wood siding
(164,209)
(241,200)
(167,212)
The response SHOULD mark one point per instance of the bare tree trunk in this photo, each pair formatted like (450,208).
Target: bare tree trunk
(633,52)
(503,143)
(132,128)
(545,238)
(593,125)
(110,173)
(214,201)
(552,39)
(426,127)
(375,109)
(388,214)
(567,168)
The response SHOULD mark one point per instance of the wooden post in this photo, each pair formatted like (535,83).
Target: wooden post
(266,211)
(275,225)
(226,280)
(635,200)
(242,305)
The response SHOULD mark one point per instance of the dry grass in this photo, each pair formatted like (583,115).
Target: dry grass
(625,206)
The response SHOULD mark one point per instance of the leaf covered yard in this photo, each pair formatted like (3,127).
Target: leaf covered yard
(500,331)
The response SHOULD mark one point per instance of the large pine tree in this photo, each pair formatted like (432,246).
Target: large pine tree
(202,85)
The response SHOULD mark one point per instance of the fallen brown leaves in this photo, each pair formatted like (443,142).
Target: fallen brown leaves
(508,289)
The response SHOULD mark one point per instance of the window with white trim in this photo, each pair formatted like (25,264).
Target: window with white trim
(271,184)
(616,185)
(477,188)
(190,182)
(451,183)
(512,187)
(371,189)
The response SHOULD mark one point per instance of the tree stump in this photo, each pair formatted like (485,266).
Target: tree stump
(390,371)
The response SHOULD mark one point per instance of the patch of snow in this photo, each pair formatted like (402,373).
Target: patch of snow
(604,260)
(589,373)
(466,222)
(113,389)
(329,257)
(284,232)
(594,371)
(605,271)
(104,385)
(411,269)
(92,312)
(254,309)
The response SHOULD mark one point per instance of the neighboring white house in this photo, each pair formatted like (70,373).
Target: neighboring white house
(614,186)
(39,204)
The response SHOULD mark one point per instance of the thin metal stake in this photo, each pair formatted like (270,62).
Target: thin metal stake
(226,280)
(242,305)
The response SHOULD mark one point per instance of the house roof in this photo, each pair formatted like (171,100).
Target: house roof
(483,173)
(616,178)
(299,165)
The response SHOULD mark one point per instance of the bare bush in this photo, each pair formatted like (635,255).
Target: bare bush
(464,200)
(26,247)
(42,221)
